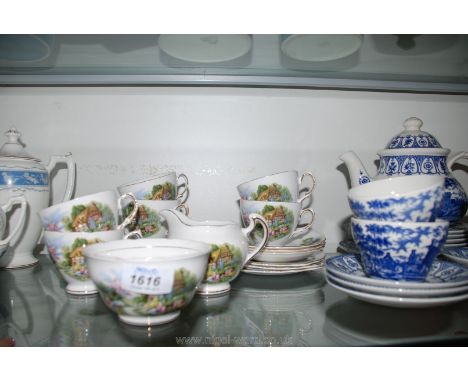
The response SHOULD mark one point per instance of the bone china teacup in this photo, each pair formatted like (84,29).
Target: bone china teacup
(148,220)
(229,246)
(91,213)
(159,187)
(281,187)
(282,219)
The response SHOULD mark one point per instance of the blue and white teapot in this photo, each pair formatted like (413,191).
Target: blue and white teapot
(411,152)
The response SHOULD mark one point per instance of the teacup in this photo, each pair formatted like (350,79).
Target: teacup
(3,220)
(159,187)
(406,198)
(399,250)
(281,187)
(148,220)
(66,251)
(91,213)
(282,219)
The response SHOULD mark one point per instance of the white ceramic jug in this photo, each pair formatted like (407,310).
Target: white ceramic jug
(229,246)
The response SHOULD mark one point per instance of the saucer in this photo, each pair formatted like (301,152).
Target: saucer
(443,274)
(286,269)
(399,302)
(300,248)
(398,292)
(457,254)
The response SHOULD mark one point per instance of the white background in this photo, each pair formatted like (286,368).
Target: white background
(220,137)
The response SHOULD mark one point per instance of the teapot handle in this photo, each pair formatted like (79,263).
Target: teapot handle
(455,157)
(68,160)
(254,219)
(16,200)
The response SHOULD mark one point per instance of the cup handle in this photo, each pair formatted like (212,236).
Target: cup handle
(307,228)
(132,214)
(7,207)
(133,235)
(182,195)
(309,190)
(68,160)
(183,208)
(255,219)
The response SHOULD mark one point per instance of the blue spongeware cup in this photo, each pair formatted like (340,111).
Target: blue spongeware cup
(414,198)
(398,250)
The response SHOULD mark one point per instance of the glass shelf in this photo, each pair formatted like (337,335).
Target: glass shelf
(295,310)
(421,63)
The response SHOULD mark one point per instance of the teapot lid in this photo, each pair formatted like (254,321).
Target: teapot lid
(412,137)
(13,148)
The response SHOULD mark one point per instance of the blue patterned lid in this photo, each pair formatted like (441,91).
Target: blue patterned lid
(412,137)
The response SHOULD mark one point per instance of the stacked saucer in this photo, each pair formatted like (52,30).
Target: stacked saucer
(457,236)
(300,254)
(446,283)
(457,254)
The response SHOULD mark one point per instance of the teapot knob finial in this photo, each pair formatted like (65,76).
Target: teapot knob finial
(13,135)
(413,124)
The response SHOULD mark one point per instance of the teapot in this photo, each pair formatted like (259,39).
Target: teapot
(229,244)
(22,174)
(411,152)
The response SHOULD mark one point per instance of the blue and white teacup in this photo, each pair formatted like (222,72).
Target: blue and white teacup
(398,250)
(414,198)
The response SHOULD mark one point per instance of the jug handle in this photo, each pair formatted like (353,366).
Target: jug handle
(68,160)
(16,200)
(455,157)
(254,219)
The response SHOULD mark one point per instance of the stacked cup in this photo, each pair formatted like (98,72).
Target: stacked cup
(395,225)
(160,192)
(75,224)
(277,198)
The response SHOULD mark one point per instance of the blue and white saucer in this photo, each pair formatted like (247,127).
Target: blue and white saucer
(443,274)
(457,254)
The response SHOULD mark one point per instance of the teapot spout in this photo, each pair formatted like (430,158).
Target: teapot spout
(357,172)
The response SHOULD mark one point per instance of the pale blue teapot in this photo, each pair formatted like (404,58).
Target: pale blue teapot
(411,152)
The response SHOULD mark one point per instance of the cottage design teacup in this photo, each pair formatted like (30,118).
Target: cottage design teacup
(91,213)
(229,246)
(21,200)
(159,187)
(66,250)
(148,219)
(282,219)
(281,187)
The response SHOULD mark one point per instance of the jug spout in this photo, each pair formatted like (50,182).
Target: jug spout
(175,219)
(357,172)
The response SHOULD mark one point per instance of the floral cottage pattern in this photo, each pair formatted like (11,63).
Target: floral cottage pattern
(124,302)
(224,263)
(166,191)
(272,193)
(280,220)
(146,220)
(398,252)
(418,208)
(91,217)
(70,259)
